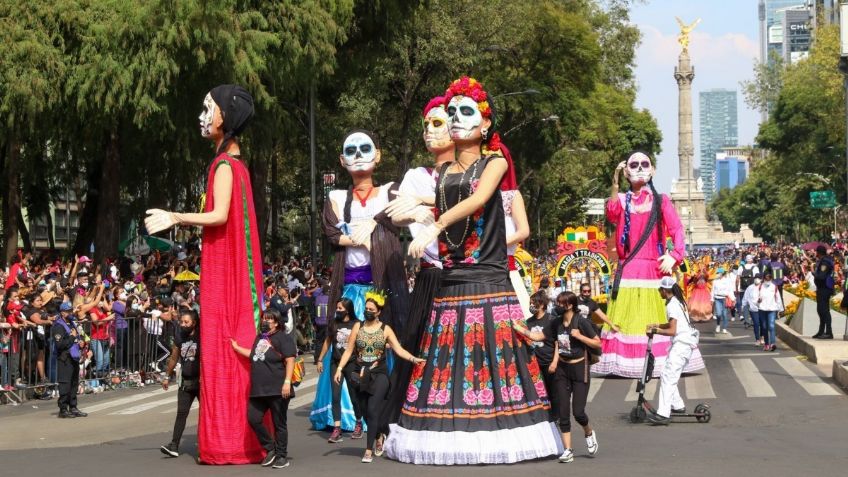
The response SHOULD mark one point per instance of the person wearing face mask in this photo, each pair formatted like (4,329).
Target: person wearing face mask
(769,305)
(543,350)
(572,336)
(334,403)
(589,310)
(684,340)
(750,306)
(232,277)
(271,366)
(369,341)
(186,351)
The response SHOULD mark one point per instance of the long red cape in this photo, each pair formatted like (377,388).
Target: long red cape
(230,276)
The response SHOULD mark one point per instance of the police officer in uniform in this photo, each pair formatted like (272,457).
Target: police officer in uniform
(66,339)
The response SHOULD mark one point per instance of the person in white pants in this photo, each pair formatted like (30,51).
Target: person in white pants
(684,340)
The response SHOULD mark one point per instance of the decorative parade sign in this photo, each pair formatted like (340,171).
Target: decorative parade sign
(583,258)
(565,262)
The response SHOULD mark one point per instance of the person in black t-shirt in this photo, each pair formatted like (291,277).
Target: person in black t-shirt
(572,337)
(186,350)
(588,309)
(338,333)
(543,350)
(271,366)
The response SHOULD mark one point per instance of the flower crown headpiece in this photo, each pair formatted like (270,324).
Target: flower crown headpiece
(473,89)
(377,296)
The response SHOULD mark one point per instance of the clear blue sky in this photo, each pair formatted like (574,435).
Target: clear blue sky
(723,48)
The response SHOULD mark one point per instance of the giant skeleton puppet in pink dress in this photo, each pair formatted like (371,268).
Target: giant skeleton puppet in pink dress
(230,279)
(643,219)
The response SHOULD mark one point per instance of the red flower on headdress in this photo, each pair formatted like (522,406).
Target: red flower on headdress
(473,89)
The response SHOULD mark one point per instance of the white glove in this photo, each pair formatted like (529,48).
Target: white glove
(361,234)
(158,220)
(667,262)
(423,215)
(402,205)
(425,237)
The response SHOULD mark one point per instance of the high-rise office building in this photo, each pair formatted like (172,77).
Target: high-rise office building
(784,34)
(719,129)
(731,167)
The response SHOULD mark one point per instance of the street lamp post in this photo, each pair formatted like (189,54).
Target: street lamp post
(312,204)
(843,67)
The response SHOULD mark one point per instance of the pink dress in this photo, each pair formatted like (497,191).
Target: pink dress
(638,302)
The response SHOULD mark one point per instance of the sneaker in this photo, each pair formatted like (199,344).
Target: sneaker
(774,347)
(718,329)
(825,336)
(357,431)
(766,347)
(682,410)
(724,331)
(567,456)
(378,445)
(77,413)
(270,458)
(170,450)
(592,444)
(336,436)
(367,459)
(281,463)
(65,414)
(657,420)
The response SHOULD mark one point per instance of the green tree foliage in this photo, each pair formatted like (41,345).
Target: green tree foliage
(805,134)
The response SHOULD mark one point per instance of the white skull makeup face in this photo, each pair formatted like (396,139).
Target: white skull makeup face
(464,117)
(436,133)
(639,169)
(359,153)
(207,115)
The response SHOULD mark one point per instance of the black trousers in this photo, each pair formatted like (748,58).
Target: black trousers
(185,398)
(571,394)
(372,405)
(68,378)
(347,373)
(320,336)
(279,406)
(823,307)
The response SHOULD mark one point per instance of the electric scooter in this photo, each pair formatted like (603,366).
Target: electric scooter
(643,408)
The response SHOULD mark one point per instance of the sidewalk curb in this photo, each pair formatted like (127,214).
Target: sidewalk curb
(840,374)
(823,353)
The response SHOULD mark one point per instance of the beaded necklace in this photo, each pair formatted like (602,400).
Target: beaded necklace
(444,201)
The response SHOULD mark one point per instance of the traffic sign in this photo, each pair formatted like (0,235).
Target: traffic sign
(823,199)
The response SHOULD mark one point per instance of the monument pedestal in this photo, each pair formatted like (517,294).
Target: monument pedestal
(687,199)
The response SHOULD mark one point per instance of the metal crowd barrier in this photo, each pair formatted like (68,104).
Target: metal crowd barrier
(132,356)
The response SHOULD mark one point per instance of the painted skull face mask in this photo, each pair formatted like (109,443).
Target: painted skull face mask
(639,169)
(436,132)
(464,117)
(206,116)
(359,152)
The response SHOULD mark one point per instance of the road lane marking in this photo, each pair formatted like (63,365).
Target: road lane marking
(126,400)
(806,378)
(594,385)
(144,407)
(302,400)
(751,379)
(650,390)
(698,386)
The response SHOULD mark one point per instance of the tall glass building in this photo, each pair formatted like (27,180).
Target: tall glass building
(719,129)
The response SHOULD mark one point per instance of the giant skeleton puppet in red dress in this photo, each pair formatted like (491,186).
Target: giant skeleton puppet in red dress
(230,277)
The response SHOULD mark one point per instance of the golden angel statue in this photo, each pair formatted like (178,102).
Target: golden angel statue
(685,30)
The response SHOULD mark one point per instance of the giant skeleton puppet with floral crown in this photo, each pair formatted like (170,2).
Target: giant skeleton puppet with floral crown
(643,220)
(367,252)
(478,397)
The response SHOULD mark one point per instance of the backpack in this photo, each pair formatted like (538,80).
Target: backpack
(746,278)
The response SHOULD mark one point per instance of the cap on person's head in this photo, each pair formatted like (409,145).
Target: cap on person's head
(821,250)
(85,259)
(667,282)
(66,306)
(558,280)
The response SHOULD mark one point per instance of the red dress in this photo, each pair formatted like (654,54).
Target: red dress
(230,276)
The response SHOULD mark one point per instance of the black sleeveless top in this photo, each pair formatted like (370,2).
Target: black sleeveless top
(472,249)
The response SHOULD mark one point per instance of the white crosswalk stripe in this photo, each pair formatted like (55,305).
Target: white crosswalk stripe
(650,390)
(594,386)
(126,400)
(144,406)
(752,380)
(804,376)
(698,386)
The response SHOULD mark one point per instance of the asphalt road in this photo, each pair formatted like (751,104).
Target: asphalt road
(772,414)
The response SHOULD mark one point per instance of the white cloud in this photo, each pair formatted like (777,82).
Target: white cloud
(720,61)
